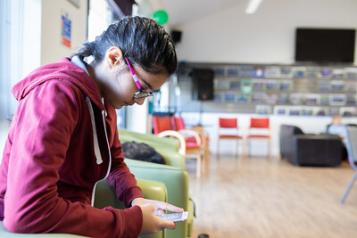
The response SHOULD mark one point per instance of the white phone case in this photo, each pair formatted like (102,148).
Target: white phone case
(175,217)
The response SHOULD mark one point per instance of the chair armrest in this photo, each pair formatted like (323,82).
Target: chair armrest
(105,195)
(176,135)
(175,179)
(5,234)
(153,190)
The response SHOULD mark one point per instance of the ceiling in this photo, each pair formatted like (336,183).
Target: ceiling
(183,11)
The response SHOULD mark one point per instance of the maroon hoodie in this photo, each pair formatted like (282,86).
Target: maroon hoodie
(62,140)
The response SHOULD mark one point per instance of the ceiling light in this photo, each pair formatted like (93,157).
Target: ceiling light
(252,6)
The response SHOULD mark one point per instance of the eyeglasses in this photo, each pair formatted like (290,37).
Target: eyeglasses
(140,93)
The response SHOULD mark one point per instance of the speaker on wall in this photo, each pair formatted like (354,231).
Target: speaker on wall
(202,82)
(176,36)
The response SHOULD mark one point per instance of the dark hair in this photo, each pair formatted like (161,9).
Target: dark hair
(141,40)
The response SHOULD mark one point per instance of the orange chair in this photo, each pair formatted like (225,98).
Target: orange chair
(231,125)
(179,123)
(163,123)
(259,129)
(190,141)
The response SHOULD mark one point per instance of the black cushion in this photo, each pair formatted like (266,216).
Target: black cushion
(141,151)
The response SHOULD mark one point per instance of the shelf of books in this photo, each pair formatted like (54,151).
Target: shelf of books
(286,89)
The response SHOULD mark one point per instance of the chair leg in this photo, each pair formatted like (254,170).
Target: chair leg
(198,169)
(348,189)
(243,146)
(237,149)
(203,160)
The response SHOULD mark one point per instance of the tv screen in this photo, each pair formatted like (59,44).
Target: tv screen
(324,45)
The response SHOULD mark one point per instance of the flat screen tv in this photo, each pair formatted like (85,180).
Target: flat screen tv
(322,45)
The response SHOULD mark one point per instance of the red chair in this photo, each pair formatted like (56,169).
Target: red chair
(231,132)
(259,129)
(179,123)
(163,123)
(190,141)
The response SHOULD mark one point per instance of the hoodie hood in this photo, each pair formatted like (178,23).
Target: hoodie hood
(62,70)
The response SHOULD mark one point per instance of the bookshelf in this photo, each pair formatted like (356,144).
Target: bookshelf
(295,90)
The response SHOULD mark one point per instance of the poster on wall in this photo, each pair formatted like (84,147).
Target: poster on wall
(66,30)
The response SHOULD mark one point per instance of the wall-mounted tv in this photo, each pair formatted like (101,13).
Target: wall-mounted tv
(323,45)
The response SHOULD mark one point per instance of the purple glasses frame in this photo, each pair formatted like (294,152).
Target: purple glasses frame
(140,93)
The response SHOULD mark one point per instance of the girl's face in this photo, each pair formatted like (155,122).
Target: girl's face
(118,86)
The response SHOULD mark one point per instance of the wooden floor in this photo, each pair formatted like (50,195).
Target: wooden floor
(259,198)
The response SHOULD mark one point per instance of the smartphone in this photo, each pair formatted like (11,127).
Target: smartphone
(175,216)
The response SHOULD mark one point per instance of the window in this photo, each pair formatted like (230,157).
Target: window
(4,63)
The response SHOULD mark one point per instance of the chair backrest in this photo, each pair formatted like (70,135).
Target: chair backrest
(162,123)
(286,136)
(260,123)
(351,144)
(179,123)
(227,122)
(290,130)
(340,130)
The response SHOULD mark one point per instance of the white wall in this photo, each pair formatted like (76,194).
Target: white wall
(51,48)
(268,36)
(42,31)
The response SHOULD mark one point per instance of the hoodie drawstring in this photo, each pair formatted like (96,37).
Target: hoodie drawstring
(97,153)
(96,143)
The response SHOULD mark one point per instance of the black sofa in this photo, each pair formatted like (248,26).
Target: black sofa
(309,149)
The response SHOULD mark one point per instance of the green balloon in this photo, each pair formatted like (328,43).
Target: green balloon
(160,16)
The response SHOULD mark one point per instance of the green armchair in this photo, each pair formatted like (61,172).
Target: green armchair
(105,196)
(173,175)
